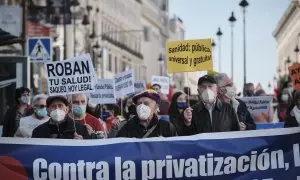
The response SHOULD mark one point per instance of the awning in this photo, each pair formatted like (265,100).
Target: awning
(8,39)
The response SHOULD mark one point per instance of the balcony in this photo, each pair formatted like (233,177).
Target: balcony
(122,46)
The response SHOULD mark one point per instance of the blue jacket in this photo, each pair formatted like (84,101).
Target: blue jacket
(245,116)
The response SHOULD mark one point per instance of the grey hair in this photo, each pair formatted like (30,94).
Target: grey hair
(70,97)
(38,97)
(219,78)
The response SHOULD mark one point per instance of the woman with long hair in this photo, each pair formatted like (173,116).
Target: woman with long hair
(178,105)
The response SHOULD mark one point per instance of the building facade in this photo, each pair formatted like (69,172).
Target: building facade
(287,37)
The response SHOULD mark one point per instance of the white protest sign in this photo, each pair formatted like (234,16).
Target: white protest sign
(139,86)
(71,76)
(163,81)
(124,83)
(258,104)
(104,92)
(260,108)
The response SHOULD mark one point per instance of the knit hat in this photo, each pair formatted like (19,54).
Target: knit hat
(149,94)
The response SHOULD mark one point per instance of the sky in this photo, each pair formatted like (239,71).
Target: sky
(203,17)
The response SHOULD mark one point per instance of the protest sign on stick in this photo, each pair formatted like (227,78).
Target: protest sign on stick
(71,76)
(124,83)
(104,92)
(163,81)
(294,72)
(139,86)
(189,55)
(259,107)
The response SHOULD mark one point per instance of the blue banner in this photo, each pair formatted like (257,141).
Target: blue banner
(272,154)
(269,125)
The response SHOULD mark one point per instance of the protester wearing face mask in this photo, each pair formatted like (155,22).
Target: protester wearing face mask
(78,104)
(227,93)
(146,123)
(284,100)
(210,114)
(16,112)
(293,112)
(110,114)
(29,123)
(60,125)
(178,105)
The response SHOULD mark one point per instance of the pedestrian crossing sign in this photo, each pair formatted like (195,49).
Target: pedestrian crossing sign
(39,49)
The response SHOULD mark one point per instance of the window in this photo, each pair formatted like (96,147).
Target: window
(109,62)
(123,66)
(116,64)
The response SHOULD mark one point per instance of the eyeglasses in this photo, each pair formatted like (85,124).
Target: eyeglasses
(41,106)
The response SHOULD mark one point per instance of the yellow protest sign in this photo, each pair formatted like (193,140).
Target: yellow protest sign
(189,55)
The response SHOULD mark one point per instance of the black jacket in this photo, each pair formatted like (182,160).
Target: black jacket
(178,121)
(245,116)
(9,122)
(290,121)
(133,128)
(65,130)
(224,119)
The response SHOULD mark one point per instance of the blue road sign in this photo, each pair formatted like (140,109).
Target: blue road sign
(39,49)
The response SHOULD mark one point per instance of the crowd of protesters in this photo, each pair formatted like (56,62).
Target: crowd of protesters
(143,115)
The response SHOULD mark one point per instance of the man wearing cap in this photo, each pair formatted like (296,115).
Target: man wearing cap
(146,123)
(210,114)
(60,125)
(227,93)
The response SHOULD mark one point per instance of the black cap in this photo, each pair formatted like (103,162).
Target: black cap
(50,100)
(207,78)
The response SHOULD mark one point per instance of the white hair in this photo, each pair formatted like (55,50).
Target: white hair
(70,97)
(38,97)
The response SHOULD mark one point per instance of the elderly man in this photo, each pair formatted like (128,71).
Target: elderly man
(60,125)
(146,123)
(227,93)
(210,114)
(78,104)
(29,123)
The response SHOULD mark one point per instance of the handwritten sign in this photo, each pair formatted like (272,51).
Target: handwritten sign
(294,71)
(139,86)
(104,92)
(259,107)
(71,76)
(124,83)
(163,81)
(189,55)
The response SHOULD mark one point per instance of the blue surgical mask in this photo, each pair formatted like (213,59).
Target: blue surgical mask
(78,110)
(182,105)
(41,113)
(105,115)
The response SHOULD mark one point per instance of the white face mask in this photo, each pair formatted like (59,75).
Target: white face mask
(143,111)
(285,97)
(208,96)
(58,115)
(25,99)
(230,92)
(291,90)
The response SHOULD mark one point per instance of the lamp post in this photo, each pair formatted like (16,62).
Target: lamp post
(74,10)
(213,45)
(297,49)
(161,62)
(244,4)
(287,62)
(232,20)
(219,34)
